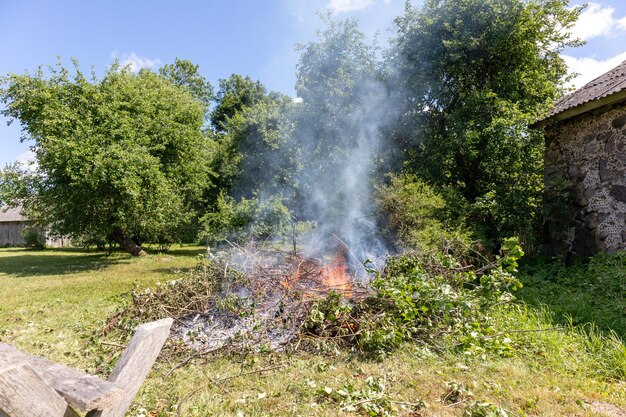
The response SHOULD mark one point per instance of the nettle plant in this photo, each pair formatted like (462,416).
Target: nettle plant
(433,300)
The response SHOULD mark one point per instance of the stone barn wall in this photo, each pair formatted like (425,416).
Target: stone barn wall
(585,177)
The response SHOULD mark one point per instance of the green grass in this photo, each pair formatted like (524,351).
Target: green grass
(51,300)
(589,291)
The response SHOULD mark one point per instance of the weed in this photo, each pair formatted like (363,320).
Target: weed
(456,393)
(589,291)
(484,409)
(369,399)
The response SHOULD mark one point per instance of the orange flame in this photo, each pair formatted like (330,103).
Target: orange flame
(312,278)
(335,276)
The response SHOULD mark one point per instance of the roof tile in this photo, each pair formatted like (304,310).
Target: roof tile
(605,85)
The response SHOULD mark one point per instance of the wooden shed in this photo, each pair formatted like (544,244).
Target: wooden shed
(13,223)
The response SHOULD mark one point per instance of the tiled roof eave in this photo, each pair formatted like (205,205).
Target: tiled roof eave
(606,89)
(586,107)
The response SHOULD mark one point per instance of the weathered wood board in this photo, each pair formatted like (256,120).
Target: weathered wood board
(31,386)
(135,363)
(23,393)
(83,391)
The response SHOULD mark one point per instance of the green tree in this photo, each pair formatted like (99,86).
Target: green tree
(236,93)
(185,74)
(120,158)
(472,77)
(254,160)
(339,131)
(251,129)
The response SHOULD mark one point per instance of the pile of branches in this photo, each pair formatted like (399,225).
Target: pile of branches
(244,298)
(437,301)
(256,299)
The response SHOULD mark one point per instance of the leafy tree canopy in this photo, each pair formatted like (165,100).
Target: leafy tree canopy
(250,130)
(185,74)
(336,78)
(253,159)
(473,76)
(120,158)
(234,94)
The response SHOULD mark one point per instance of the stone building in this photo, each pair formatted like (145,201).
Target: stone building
(585,168)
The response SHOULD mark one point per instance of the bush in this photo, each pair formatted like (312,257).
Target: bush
(247,219)
(420,218)
(427,299)
(34,238)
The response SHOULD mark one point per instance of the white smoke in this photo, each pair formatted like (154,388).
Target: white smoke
(338,191)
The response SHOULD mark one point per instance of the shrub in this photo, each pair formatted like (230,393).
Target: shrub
(34,238)
(420,217)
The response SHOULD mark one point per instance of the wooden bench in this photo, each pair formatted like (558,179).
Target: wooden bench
(31,386)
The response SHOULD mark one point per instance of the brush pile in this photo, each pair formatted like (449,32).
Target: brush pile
(243,298)
(251,299)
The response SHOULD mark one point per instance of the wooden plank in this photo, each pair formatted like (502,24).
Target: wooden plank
(135,363)
(23,393)
(82,391)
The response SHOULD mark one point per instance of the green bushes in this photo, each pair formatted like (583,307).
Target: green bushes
(421,218)
(428,299)
(34,238)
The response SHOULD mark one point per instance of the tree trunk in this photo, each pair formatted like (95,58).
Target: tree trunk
(127,243)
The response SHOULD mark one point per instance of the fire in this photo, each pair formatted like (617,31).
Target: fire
(335,276)
(310,276)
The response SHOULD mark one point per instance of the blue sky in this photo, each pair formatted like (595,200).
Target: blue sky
(252,37)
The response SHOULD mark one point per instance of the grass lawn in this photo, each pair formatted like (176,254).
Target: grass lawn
(50,300)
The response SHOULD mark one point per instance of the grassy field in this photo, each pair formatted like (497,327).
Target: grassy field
(51,300)
(48,299)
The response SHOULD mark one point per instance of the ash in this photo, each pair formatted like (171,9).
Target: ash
(264,301)
(218,328)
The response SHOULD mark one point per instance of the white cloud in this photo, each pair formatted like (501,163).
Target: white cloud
(590,68)
(343,6)
(27,159)
(597,20)
(134,61)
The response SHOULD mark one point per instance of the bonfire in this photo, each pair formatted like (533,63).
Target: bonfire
(268,305)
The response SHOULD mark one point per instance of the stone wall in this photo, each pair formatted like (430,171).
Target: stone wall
(585,176)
